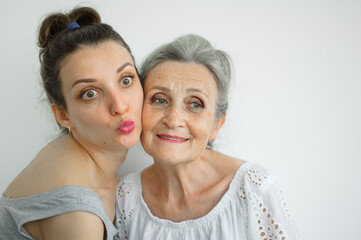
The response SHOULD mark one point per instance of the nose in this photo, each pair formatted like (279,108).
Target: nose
(117,103)
(174,117)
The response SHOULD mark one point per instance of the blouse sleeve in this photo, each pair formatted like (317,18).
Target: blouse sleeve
(126,200)
(268,217)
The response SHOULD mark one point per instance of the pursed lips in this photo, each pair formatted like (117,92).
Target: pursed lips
(171,138)
(126,126)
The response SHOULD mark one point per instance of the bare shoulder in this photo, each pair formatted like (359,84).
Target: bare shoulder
(73,225)
(50,169)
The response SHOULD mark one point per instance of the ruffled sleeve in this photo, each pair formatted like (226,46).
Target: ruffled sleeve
(268,217)
(126,203)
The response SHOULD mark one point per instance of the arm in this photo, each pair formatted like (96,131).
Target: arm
(71,226)
(268,215)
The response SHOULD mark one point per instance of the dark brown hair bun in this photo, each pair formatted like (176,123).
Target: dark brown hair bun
(56,23)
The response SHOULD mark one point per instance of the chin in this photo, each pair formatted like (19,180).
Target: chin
(129,141)
(170,160)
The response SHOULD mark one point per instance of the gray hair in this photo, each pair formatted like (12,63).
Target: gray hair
(196,49)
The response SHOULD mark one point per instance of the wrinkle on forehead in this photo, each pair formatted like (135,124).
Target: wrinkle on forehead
(182,77)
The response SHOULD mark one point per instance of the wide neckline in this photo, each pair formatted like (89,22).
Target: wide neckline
(51,192)
(108,223)
(216,210)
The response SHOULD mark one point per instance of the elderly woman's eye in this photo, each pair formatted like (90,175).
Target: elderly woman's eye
(126,81)
(195,105)
(90,94)
(160,101)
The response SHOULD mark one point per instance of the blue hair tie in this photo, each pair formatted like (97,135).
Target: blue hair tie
(72,26)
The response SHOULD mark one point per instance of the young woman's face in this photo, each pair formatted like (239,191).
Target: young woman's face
(103,96)
(179,112)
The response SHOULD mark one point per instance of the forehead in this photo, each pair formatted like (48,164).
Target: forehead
(173,73)
(94,60)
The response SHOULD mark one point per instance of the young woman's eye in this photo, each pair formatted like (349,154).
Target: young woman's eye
(90,94)
(126,81)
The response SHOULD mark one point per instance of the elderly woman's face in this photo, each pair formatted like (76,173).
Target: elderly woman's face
(179,111)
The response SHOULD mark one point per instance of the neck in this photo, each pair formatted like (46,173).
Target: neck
(106,161)
(190,190)
(183,180)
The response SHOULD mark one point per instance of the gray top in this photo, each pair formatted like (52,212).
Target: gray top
(15,212)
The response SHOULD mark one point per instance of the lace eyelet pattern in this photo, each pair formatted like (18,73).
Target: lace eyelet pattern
(256,206)
(267,226)
(256,177)
(124,189)
(285,206)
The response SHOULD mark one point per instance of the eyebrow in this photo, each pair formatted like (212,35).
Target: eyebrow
(123,66)
(88,80)
(85,80)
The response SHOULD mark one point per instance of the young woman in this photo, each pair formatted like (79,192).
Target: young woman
(91,81)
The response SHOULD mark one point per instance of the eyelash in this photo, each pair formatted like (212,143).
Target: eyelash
(82,93)
(131,80)
(198,103)
(155,99)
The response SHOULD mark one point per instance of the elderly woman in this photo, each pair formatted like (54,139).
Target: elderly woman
(68,190)
(192,191)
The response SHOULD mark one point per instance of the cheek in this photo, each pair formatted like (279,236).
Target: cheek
(83,117)
(149,118)
(201,126)
(136,106)
(202,132)
(147,127)
(139,98)
(89,120)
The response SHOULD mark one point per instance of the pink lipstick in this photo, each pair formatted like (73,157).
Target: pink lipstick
(171,138)
(126,127)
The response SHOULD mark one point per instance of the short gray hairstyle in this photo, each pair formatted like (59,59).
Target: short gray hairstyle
(191,48)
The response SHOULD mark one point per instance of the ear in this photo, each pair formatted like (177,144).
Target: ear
(217,126)
(60,115)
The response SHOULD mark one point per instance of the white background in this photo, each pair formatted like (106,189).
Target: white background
(295,104)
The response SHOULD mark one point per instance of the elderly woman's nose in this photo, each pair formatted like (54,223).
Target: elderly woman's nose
(117,103)
(174,117)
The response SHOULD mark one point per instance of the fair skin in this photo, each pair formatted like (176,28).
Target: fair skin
(186,180)
(101,91)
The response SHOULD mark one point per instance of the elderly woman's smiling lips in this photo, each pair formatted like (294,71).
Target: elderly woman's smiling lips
(171,138)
